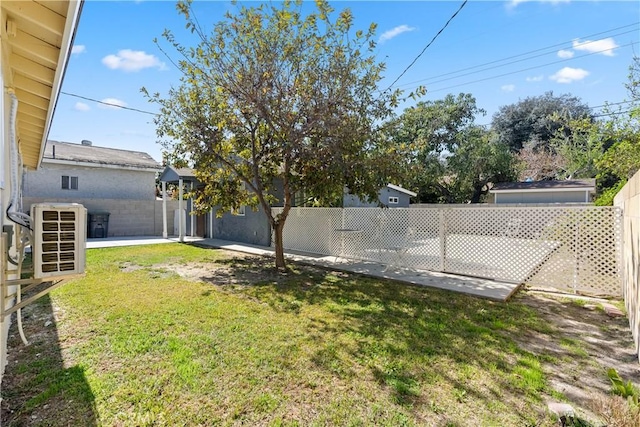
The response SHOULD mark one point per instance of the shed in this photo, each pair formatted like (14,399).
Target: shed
(392,196)
(568,191)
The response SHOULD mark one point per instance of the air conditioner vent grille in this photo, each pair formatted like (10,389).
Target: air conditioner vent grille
(59,239)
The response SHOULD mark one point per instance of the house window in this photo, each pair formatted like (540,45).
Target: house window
(69,182)
(393,200)
(241,210)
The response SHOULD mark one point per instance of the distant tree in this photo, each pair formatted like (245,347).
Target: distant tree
(579,150)
(533,122)
(539,165)
(273,97)
(449,158)
(478,162)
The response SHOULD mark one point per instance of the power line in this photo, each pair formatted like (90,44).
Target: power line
(521,54)
(613,114)
(108,103)
(525,69)
(428,44)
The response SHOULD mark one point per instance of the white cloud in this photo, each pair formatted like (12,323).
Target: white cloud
(81,106)
(535,78)
(114,103)
(565,54)
(569,75)
(602,46)
(508,88)
(132,60)
(388,35)
(78,49)
(515,3)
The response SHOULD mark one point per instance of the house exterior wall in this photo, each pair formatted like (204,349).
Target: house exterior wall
(93,183)
(351,201)
(252,228)
(4,199)
(126,217)
(541,197)
(628,199)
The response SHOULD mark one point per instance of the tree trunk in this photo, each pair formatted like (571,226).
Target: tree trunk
(278,229)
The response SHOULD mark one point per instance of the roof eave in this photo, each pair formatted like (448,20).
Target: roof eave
(71,26)
(101,165)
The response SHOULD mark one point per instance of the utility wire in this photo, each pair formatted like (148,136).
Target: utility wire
(428,44)
(108,103)
(613,114)
(522,54)
(526,69)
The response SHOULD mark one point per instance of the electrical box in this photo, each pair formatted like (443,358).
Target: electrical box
(59,239)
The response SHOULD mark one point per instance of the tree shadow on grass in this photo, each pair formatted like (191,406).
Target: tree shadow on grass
(38,388)
(413,339)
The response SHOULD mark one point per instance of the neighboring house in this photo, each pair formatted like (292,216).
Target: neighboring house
(570,191)
(392,196)
(248,225)
(36,39)
(117,184)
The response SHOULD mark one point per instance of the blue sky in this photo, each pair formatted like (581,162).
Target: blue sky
(500,52)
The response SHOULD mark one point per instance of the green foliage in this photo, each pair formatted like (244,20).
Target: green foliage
(450,159)
(278,101)
(534,121)
(580,144)
(606,196)
(621,388)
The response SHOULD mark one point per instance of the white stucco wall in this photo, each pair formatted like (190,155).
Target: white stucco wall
(628,199)
(5,195)
(4,135)
(93,183)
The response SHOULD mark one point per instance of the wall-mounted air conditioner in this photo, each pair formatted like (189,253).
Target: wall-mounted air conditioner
(59,239)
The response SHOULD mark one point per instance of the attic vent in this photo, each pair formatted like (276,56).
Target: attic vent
(86,142)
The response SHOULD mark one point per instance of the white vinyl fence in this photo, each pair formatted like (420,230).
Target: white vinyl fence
(569,248)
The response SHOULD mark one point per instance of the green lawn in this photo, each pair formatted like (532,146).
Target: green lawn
(134,343)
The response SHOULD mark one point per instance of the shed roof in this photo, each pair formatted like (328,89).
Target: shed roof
(576,184)
(64,152)
(173,174)
(402,190)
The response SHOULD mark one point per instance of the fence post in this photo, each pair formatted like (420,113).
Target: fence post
(442,234)
(576,267)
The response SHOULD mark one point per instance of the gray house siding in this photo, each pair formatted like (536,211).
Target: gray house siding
(351,201)
(252,228)
(541,197)
(93,183)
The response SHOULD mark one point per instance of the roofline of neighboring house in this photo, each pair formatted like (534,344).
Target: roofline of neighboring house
(101,165)
(71,28)
(544,190)
(402,190)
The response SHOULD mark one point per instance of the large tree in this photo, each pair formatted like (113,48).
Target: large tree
(533,122)
(273,98)
(450,159)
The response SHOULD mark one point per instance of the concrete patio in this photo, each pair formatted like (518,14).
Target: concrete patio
(484,288)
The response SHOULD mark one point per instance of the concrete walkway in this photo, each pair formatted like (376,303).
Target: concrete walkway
(479,287)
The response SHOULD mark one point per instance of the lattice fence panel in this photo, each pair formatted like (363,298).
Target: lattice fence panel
(311,230)
(575,248)
(499,243)
(587,258)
